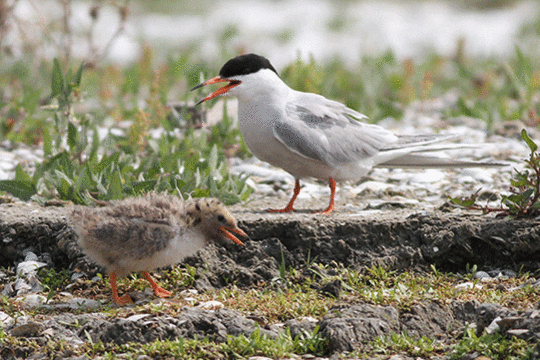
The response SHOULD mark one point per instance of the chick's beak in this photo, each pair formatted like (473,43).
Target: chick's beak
(230,236)
(220,91)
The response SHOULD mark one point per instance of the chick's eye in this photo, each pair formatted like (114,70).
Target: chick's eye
(221,218)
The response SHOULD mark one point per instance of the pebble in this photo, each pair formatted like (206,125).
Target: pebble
(467,286)
(6,320)
(211,305)
(33,301)
(27,267)
(30,329)
(137,317)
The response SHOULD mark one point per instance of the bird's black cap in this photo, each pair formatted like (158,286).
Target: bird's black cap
(245,64)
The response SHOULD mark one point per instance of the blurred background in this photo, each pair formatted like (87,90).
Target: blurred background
(118,31)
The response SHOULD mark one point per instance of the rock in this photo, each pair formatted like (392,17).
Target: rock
(347,329)
(33,301)
(333,289)
(6,321)
(30,329)
(190,323)
(428,319)
(301,327)
(211,305)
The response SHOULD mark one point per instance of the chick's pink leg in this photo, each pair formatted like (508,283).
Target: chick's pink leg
(117,299)
(158,290)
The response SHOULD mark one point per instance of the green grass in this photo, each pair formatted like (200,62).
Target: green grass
(272,305)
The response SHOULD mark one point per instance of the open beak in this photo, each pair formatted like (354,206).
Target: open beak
(230,236)
(220,91)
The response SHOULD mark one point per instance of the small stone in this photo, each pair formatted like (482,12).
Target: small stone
(6,320)
(190,300)
(82,303)
(481,275)
(33,300)
(27,267)
(137,317)
(332,289)
(30,329)
(467,286)
(519,333)
(211,305)
(494,326)
(144,357)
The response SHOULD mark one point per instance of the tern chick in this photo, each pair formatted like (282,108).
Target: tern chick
(140,234)
(309,135)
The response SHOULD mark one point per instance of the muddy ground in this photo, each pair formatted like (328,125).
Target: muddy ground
(396,239)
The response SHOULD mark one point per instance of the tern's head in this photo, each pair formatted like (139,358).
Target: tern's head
(243,73)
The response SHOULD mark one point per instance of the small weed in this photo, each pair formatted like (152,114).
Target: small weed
(495,346)
(413,346)
(525,189)
(53,280)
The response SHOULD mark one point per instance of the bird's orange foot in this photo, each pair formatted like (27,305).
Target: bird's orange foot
(161,292)
(122,300)
(324,212)
(288,209)
(327,211)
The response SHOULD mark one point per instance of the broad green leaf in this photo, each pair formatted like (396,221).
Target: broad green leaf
(229,198)
(58,81)
(21,189)
(84,181)
(72,135)
(78,75)
(61,175)
(20,175)
(47,142)
(529,141)
(107,161)
(115,185)
(144,186)
(198,193)
(92,157)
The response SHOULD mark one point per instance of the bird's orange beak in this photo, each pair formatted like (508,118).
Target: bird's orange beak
(220,91)
(230,236)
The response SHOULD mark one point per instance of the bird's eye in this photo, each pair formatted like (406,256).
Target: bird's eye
(221,218)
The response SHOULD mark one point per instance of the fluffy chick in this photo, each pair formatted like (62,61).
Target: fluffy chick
(140,234)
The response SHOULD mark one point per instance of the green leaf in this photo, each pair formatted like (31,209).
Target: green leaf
(229,198)
(84,180)
(529,141)
(146,186)
(47,142)
(107,161)
(198,193)
(115,186)
(72,135)
(21,189)
(20,175)
(78,75)
(213,159)
(58,81)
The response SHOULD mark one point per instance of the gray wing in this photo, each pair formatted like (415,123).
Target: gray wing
(328,131)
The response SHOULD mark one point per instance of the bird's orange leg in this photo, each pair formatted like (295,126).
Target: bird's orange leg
(289,207)
(117,299)
(331,206)
(158,290)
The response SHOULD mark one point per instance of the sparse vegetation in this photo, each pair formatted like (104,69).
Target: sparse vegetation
(524,200)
